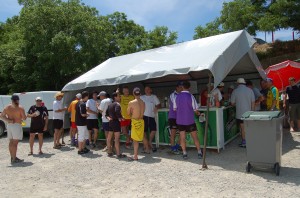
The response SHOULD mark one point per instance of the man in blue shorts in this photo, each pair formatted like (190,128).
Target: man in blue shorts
(172,119)
(105,102)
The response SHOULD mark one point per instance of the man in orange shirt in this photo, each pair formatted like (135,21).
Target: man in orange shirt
(72,110)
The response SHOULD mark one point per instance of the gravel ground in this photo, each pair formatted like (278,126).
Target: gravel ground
(64,173)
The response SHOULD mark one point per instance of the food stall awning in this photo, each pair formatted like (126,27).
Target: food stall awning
(221,55)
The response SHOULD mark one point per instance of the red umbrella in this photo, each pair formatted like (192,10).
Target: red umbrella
(281,72)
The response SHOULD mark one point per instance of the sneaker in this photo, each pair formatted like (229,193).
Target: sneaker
(81,152)
(178,147)
(110,154)
(121,156)
(184,156)
(243,144)
(154,149)
(200,155)
(86,150)
(92,146)
(73,142)
(17,160)
(175,152)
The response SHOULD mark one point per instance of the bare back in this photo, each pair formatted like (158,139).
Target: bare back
(14,113)
(136,109)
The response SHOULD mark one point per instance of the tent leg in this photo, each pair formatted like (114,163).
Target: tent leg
(204,165)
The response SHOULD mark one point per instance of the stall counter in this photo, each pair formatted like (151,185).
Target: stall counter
(222,127)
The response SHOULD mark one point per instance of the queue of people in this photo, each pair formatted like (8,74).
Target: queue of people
(133,115)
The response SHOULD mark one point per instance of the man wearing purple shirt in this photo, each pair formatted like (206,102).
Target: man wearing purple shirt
(172,118)
(186,106)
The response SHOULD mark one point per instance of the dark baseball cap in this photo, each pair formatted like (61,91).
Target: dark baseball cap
(269,80)
(179,83)
(15,97)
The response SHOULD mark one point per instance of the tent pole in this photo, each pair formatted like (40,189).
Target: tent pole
(204,166)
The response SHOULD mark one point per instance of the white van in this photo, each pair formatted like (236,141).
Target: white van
(4,100)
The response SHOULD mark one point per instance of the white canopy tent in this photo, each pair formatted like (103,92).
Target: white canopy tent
(221,55)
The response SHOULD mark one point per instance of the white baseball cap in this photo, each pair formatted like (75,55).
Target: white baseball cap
(38,98)
(78,95)
(210,85)
(241,81)
(221,84)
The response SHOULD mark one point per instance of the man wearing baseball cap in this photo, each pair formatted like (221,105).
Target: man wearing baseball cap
(217,95)
(272,100)
(13,114)
(105,102)
(72,110)
(39,122)
(243,98)
(136,109)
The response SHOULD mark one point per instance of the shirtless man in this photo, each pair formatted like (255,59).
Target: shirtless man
(136,109)
(13,114)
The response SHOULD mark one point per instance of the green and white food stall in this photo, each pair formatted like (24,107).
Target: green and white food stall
(224,57)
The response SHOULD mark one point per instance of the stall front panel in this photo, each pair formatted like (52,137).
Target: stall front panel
(222,127)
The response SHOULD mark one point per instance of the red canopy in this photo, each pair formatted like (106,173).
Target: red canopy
(281,72)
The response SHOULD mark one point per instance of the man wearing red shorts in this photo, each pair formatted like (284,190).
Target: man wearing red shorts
(125,123)
(72,110)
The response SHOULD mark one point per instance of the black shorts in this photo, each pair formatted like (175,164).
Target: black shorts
(58,124)
(239,121)
(105,126)
(149,124)
(33,130)
(92,124)
(172,123)
(187,128)
(114,126)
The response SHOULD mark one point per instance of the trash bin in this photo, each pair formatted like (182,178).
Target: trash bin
(263,139)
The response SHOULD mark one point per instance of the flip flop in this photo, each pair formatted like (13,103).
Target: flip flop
(121,156)
(131,159)
(56,147)
(110,154)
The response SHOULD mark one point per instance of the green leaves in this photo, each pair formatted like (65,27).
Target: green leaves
(253,16)
(53,41)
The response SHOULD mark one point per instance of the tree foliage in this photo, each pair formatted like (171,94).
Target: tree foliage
(52,42)
(253,16)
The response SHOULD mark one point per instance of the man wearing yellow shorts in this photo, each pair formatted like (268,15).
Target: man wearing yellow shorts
(125,123)
(136,110)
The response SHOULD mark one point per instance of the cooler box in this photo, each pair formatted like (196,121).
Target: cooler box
(263,139)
